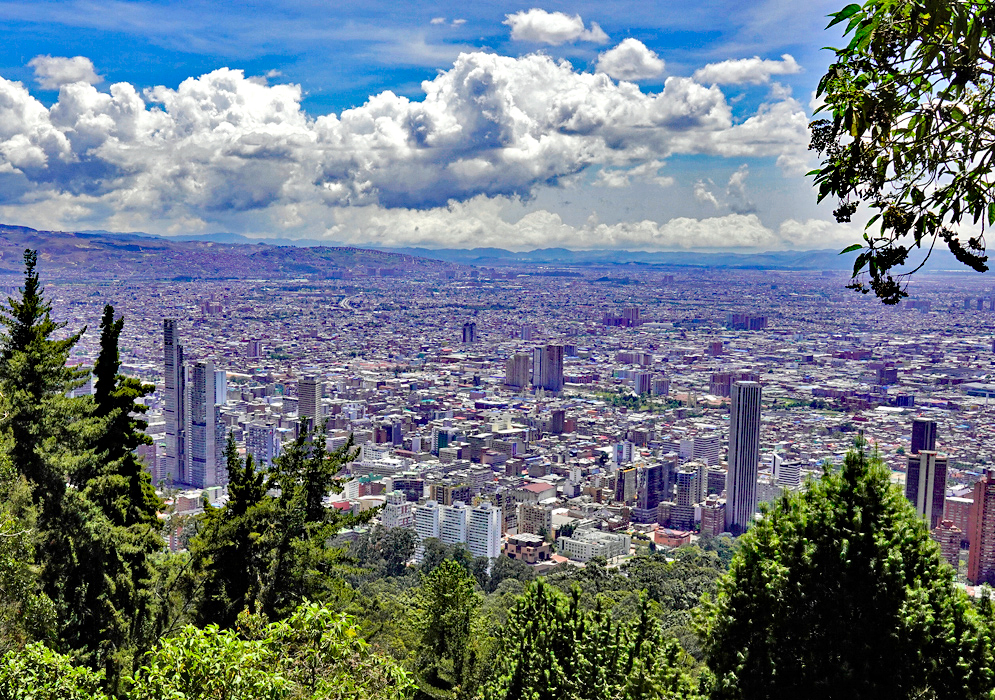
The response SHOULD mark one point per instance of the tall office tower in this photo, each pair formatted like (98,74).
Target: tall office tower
(483,531)
(654,486)
(254,348)
(527,331)
(744,456)
(547,368)
(643,382)
(205,432)
(309,394)
(786,474)
(470,332)
(923,435)
(517,370)
(981,532)
(926,485)
(625,485)
(174,468)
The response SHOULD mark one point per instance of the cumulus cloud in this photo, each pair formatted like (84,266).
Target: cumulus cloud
(553,28)
(223,146)
(703,193)
(486,222)
(752,71)
(738,201)
(52,72)
(438,20)
(630,60)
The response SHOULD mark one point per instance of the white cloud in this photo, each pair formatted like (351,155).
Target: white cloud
(703,193)
(630,60)
(553,28)
(438,20)
(489,222)
(52,72)
(222,148)
(738,200)
(459,22)
(753,71)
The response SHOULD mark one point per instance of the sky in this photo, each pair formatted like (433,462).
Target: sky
(587,125)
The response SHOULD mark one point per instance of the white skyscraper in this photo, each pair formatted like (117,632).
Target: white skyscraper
(397,511)
(744,456)
(309,395)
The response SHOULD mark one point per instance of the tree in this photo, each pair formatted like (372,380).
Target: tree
(552,649)
(840,592)
(35,380)
(910,133)
(38,673)
(447,607)
(315,654)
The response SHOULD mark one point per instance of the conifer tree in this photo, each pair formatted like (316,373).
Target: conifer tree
(839,592)
(35,381)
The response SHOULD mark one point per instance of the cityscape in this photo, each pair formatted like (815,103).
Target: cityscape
(497,351)
(628,405)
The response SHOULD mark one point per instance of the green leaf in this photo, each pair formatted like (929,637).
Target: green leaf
(991,213)
(846,13)
(851,248)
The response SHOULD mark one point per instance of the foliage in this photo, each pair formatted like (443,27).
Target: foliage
(315,653)
(385,551)
(552,649)
(38,673)
(910,132)
(447,606)
(840,592)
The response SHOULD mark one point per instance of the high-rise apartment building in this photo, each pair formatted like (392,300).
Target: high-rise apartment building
(744,456)
(396,511)
(547,368)
(926,485)
(981,556)
(923,435)
(948,536)
(309,395)
(205,433)
(483,531)
(643,383)
(706,448)
(517,370)
(174,467)
(263,442)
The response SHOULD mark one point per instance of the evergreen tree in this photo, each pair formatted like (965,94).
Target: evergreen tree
(223,551)
(447,608)
(839,592)
(552,649)
(35,380)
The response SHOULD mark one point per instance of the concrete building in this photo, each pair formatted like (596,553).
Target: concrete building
(923,435)
(517,370)
(205,431)
(309,394)
(926,484)
(981,533)
(397,511)
(713,516)
(547,368)
(528,548)
(744,456)
(586,544)
(948,536)
(483,531)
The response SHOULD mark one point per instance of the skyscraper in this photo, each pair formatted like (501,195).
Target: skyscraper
(926,485)
(309,395)
(517,370)
(175,463)
(547,368)
(923,435)
(204,432)
(470,332)
(744,456)
(981,528)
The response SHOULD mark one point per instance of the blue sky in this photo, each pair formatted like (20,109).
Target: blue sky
(589,125)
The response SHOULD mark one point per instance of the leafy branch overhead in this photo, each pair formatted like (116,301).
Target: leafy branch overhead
(908,131)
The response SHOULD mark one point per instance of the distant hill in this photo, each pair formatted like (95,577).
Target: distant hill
(103,254)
